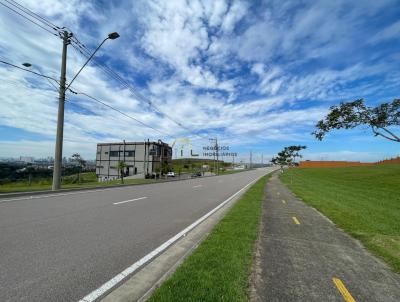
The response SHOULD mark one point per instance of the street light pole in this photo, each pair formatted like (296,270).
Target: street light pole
(61,101)
(60,117)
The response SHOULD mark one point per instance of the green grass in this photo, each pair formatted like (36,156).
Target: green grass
(219,269)
(364,201)
(88,180)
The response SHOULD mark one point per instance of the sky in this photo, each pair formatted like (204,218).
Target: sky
(257,75)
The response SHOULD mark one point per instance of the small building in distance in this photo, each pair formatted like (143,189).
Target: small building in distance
(141,158)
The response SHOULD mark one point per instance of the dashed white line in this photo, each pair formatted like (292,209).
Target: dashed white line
(60,194)
(125,201)
(198,186)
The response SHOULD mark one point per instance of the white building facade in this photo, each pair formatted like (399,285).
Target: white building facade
(141,158)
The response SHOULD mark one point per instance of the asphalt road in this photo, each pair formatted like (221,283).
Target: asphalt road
(303,256)
(60,248)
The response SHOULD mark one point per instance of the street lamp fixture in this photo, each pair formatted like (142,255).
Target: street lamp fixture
(39,73)
(113,36)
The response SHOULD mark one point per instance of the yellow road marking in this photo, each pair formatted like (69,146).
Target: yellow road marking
(343,290)
(296,221)
(283,201)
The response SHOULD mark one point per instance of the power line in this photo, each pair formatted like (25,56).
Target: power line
(36,73)
(81,48)
(18,84)
(121,112)
(33,14)
(30,20)
(89,96)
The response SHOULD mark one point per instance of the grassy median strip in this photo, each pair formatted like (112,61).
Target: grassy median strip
(364,201)
(218,270)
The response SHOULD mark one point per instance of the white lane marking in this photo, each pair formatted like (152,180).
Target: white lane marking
(125,273)
(198,186)
(60,194)
(125,201)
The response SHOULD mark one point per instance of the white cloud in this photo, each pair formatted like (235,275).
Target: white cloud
(244,83)
(236,12)
(390,32)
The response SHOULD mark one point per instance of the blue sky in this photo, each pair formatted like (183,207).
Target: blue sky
(256,74)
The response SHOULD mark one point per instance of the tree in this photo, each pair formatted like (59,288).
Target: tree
(121,169)
(29,170)
(353,114)
(76,157)
(287,157)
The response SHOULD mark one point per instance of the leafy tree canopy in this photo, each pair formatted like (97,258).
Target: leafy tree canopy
(78,159)
(353,114)
(288,155)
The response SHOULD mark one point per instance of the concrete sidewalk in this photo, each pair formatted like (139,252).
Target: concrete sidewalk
(303,256)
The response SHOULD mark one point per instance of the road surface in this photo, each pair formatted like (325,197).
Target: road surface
(62,247)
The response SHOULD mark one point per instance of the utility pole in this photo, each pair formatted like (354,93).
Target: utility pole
(60,119)
(262,159)
(215,154)
(216,146)
(61,101)
(214,164)
(251,159)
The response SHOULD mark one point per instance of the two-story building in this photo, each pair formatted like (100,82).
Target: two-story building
(141,158)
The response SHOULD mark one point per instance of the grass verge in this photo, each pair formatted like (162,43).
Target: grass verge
(364,201)
(219,269)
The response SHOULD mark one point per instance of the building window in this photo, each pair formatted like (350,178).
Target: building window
(106,152)
(99,167)
(155,151)
(114,153)
(130,153)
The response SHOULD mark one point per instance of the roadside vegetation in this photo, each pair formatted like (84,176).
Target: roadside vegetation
(190,165)
(87,180)
(84,180)
(26,178)
(364,201)
(219,269)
